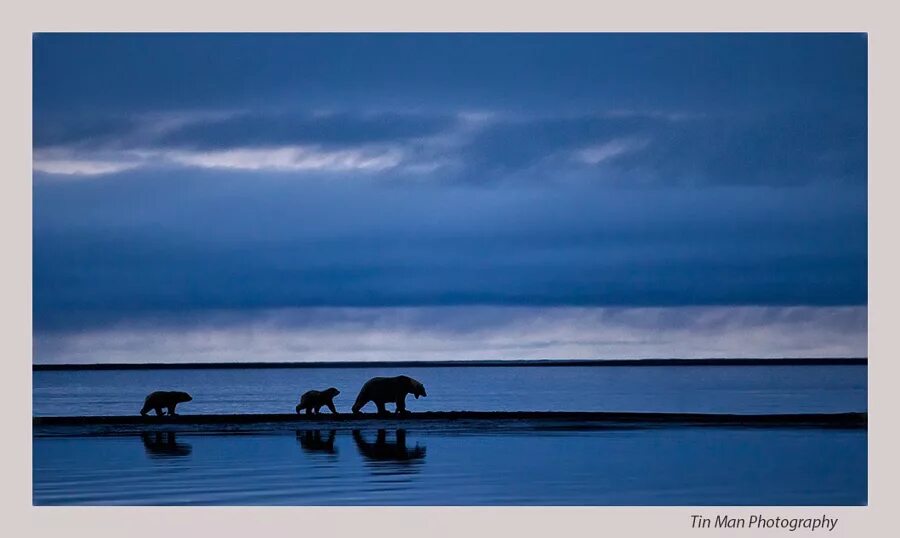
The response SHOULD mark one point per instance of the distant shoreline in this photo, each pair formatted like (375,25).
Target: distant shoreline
(843,361)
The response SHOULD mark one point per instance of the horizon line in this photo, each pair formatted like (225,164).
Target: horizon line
(711,361)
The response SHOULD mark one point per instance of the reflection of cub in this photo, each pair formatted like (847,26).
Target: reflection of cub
(164,444)
(382,450)
(382,390)
(311,441)
(313,400)
(164,398)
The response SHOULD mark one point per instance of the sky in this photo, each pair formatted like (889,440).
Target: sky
(291,197)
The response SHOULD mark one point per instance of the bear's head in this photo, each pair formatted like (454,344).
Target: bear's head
(331,392)
(181,396)
(416,389)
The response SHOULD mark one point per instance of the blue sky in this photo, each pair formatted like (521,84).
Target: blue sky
(378,196)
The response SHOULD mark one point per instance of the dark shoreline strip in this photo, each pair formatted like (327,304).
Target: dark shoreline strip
(844,420)
(844,361)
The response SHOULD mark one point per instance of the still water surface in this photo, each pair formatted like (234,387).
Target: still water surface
(654,466)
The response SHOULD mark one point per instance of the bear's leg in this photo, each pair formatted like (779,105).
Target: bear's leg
(381,409)
(309,410)
(401,405)
(171,409)
(359,404)
(331,407)
(158,411)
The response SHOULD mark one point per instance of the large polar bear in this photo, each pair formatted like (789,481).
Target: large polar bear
(382,390)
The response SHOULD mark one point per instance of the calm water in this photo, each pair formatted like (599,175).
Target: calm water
(715,389)
(638,466)
(662,466)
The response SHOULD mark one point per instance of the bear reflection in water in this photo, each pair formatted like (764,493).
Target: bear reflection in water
(312,441)
(164,445)
(382,450)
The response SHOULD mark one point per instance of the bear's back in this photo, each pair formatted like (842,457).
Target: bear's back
(386,381)
(310,397)
(156,396)
(165,396)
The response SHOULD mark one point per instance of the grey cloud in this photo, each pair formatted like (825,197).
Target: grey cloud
(326,129)
(797,146)
(467,333)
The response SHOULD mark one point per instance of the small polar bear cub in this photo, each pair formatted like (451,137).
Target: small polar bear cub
(313,400)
